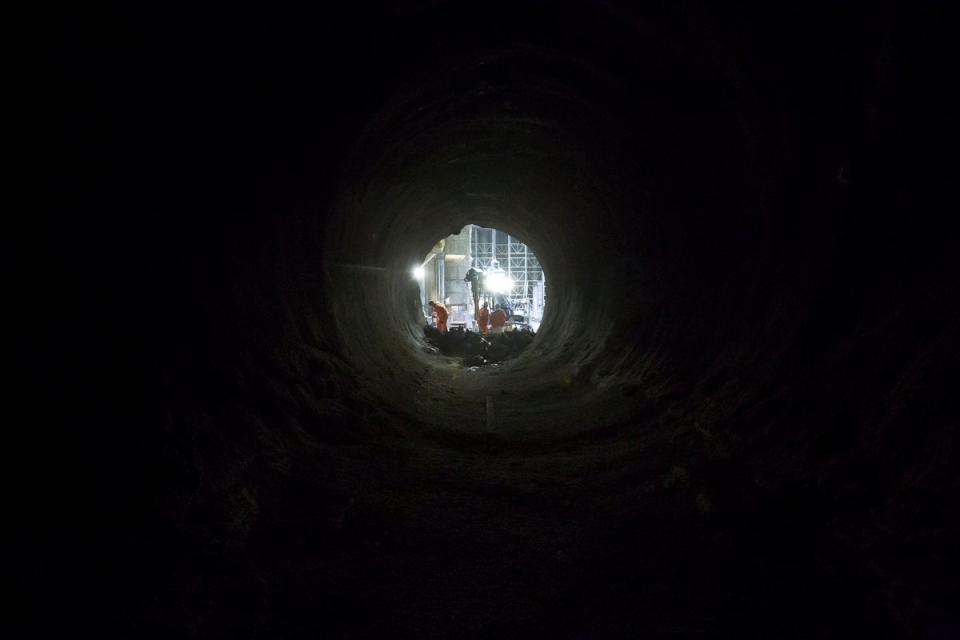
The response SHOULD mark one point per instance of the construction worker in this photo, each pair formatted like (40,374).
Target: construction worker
(483,318)
(498,319)
(474,277)
(441,314)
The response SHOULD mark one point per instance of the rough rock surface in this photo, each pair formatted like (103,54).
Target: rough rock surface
(477,350)
(738,418)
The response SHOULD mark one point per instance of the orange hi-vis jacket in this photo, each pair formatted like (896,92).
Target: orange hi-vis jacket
(441,313)
(483,319)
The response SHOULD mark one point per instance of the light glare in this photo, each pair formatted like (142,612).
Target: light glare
(497,282)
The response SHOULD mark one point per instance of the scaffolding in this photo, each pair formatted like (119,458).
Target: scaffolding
(490,249)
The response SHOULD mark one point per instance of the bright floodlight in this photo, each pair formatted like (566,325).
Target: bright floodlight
(418,273)
(498,282)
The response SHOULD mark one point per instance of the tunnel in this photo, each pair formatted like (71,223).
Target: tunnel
(736,419)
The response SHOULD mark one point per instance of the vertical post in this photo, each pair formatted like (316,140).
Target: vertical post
(509,272)
(441,278)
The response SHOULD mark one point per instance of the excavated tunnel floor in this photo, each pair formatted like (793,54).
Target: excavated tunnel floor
(736,420)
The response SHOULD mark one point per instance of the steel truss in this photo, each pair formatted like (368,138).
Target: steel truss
(514,257)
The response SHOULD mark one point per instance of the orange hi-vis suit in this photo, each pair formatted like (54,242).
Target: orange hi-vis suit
(441,314)
(483,319)
(499,318)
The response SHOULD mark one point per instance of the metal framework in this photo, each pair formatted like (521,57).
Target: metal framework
(516,260)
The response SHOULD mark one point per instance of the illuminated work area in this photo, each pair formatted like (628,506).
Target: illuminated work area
(478,267)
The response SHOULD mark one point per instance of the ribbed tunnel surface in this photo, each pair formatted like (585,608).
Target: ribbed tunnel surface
(599,160)
(735,421)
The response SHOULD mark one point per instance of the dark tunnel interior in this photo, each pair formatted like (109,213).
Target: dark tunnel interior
(736,420)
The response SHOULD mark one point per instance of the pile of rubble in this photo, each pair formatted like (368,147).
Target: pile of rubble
(478,350)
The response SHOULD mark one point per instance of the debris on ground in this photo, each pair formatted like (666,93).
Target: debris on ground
(479,350)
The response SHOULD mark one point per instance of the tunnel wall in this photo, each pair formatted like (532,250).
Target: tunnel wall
(770,187)
(556,157)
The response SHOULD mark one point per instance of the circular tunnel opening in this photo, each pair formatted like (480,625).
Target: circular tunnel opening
(482,294)
(479,268)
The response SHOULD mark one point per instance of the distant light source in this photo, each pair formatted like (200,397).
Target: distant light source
(497,281)
(418,273)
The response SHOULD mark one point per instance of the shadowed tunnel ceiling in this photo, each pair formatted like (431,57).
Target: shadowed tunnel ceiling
(735,420)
